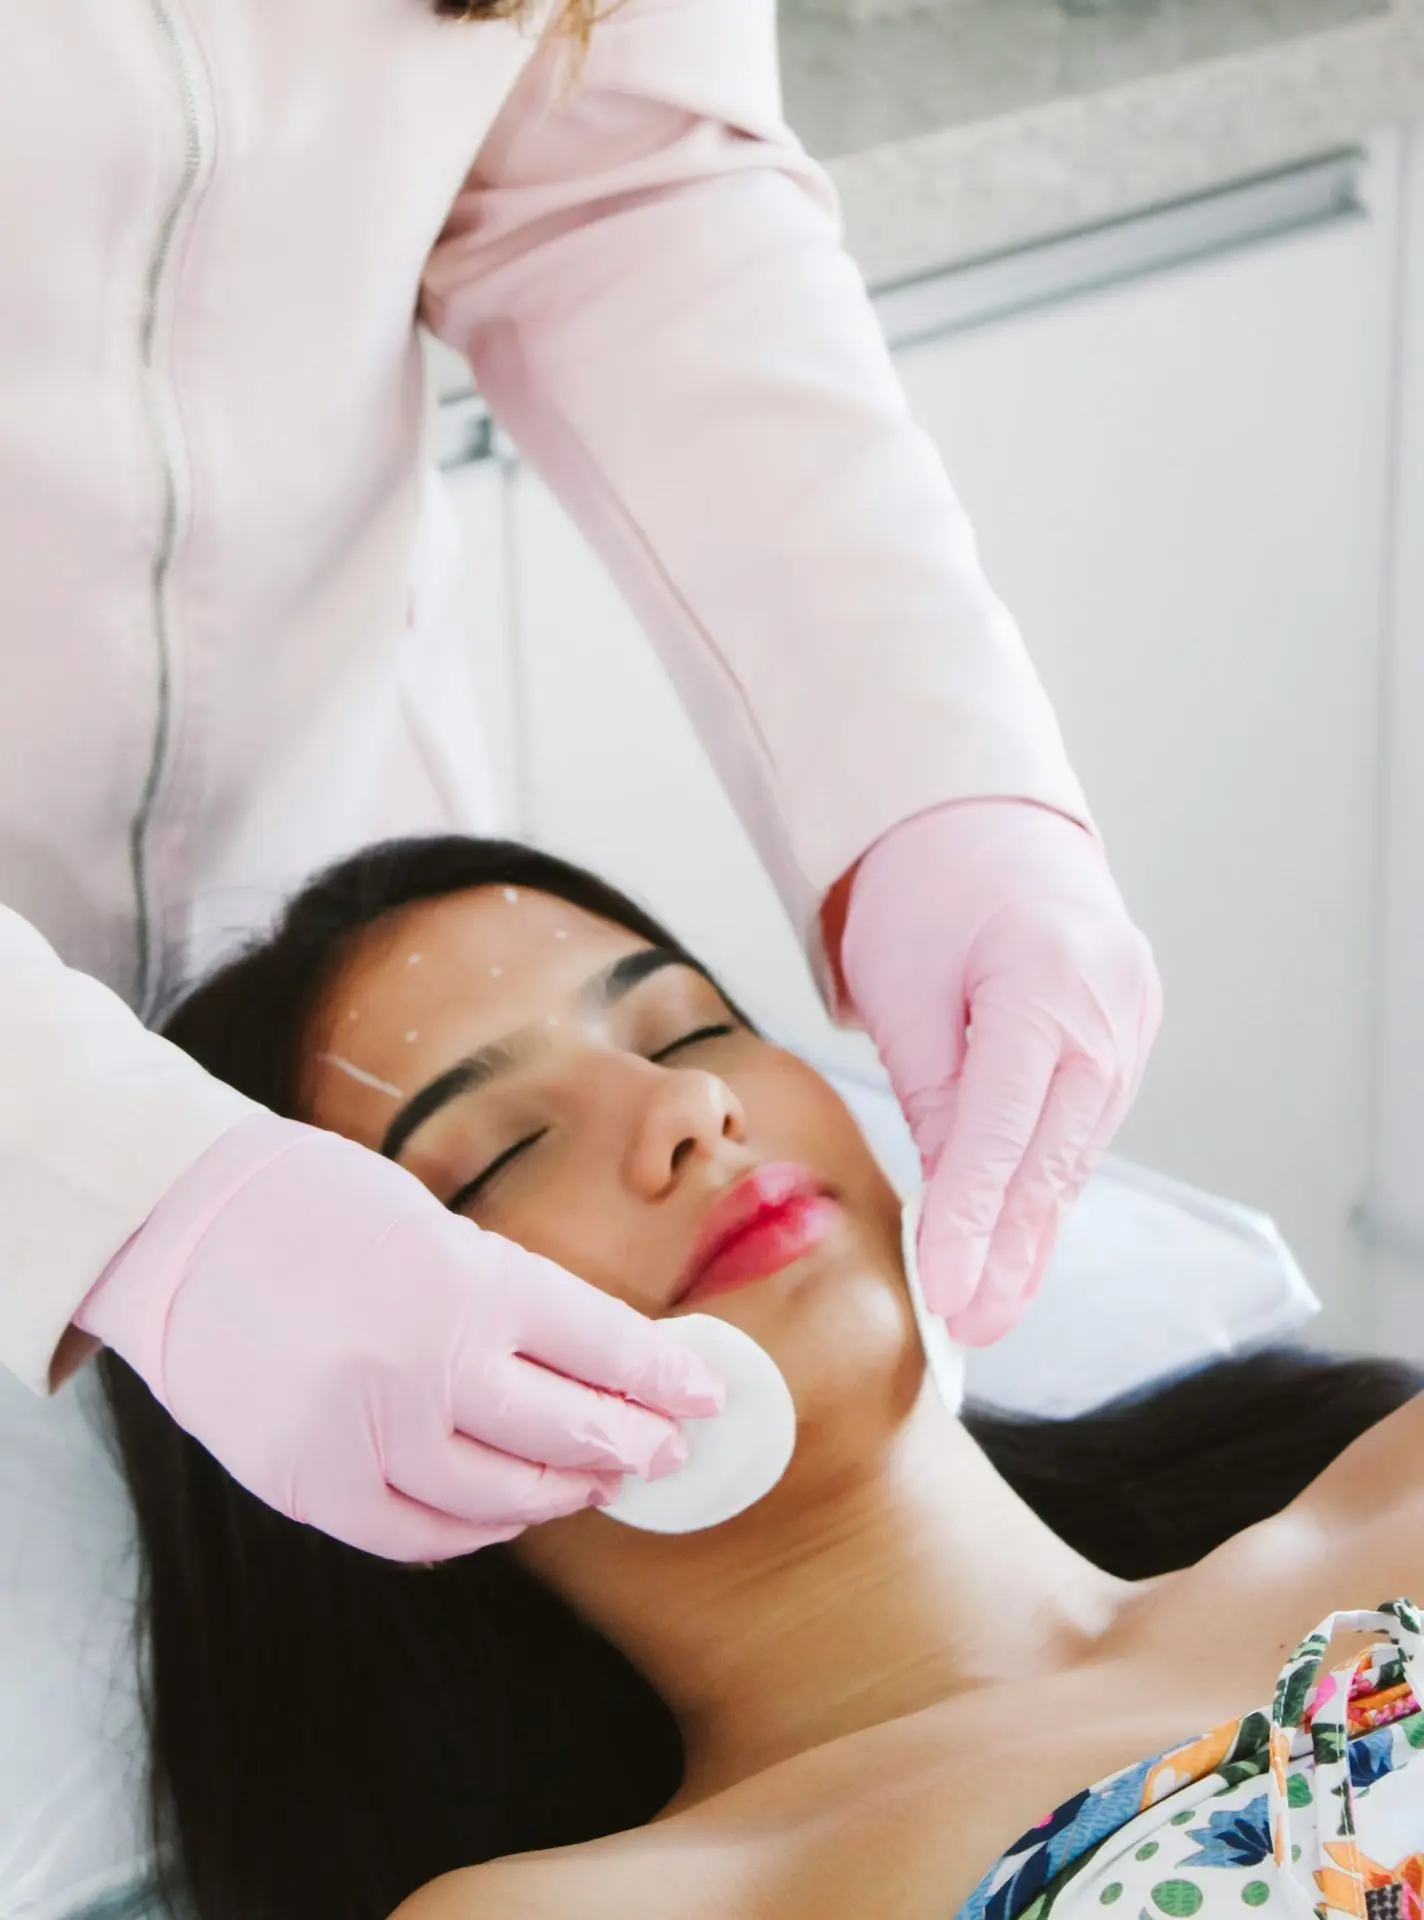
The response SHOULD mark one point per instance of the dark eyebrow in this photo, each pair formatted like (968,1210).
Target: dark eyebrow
(608,988)
(605,989)
(466,1076)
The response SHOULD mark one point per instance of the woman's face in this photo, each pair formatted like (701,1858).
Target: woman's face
(558,1081)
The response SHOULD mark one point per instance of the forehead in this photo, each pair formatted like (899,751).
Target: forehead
(495,952)
(434,981)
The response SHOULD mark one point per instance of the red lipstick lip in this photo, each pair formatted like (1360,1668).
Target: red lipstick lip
(767,1191)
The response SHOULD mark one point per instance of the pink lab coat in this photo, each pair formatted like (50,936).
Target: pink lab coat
(228,653)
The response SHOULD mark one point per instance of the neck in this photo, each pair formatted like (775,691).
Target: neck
(894,1586)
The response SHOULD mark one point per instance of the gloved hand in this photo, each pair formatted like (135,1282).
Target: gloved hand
(989,954)
(369,1363)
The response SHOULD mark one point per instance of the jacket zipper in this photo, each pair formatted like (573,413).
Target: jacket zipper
(167,441)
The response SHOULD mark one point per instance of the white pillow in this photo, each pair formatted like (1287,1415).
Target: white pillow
(1151,1278)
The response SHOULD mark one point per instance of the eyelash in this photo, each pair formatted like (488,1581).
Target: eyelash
(691,1039)
(482,1179)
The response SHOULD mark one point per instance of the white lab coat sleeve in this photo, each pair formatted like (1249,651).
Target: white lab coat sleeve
(98,1118)
(646,273)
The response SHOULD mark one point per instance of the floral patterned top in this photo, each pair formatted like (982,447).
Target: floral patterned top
(1313,1809)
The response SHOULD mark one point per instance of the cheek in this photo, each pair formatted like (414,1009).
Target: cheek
(792,1111)
(842,1331)
(828,1331)
(570,1208)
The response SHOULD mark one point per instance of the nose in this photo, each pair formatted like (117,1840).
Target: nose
(687,1118)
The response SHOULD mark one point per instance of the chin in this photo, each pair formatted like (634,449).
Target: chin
(843,1335)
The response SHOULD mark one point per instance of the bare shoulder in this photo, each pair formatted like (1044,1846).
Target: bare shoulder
(815,1837)
(491,1890)
(1373,1495)
(530,1888)
(1353,1538)
(628,1877)
(1384,1468)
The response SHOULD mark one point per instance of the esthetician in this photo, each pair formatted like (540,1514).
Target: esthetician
(230,656)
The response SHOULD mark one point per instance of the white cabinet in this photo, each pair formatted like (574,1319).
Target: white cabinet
(1179,488)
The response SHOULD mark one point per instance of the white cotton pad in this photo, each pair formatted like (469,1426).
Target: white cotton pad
(945,1359)
(734,1458)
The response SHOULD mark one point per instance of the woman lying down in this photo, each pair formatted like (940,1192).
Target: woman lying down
(882,1693)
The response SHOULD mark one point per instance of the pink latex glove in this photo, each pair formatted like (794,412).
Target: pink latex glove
(1014,1003)
(369,1363)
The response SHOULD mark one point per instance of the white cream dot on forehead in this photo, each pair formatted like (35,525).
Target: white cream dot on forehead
(734,1458)
(511,894)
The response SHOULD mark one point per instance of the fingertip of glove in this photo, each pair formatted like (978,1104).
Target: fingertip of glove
(987,1318)
(950,1266)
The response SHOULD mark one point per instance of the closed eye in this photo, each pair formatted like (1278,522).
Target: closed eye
(691,1039)
(481,1180)
(473,1188)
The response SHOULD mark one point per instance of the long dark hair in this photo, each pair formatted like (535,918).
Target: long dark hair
(329,1731)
